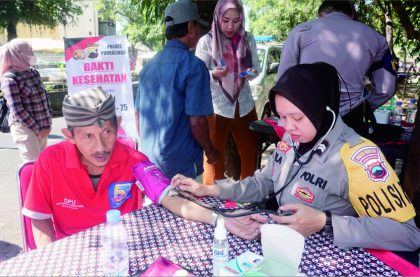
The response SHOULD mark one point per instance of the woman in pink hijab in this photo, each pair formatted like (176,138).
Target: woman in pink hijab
(230,54)
(30,110)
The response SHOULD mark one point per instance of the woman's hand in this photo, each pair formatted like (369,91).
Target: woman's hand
(44,133)
(304,220)
(219,72)
(250,77)
(190,185)
(244,227)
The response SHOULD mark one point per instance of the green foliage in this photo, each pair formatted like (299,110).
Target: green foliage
(405,40)
(144,18)
(153,10)
(140,19)
(277,18)
(37,12)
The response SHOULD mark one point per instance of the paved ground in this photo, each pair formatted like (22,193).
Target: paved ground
(10,227)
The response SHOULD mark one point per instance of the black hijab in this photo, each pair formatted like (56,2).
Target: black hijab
(311,88)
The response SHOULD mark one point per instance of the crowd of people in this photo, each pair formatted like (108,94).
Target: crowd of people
(324,174)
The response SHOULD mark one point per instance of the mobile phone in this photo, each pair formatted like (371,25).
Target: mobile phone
(243,74)
(286,213)
(221,65)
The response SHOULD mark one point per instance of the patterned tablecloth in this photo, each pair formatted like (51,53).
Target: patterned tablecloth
(154,231)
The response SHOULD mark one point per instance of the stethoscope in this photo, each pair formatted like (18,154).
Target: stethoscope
(253,207)
(318,148)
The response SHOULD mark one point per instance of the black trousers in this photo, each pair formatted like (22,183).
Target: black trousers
(361,119)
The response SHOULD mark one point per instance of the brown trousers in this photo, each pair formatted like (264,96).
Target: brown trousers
(246,141)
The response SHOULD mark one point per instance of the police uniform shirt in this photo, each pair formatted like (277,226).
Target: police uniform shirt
(351,179)
(351,47)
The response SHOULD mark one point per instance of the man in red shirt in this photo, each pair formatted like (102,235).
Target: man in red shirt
(76,181)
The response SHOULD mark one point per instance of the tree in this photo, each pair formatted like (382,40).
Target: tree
(277,18)
(398,21)
(36,12)
(140,22)
(152,10)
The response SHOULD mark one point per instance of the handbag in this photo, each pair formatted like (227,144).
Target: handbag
(4,116)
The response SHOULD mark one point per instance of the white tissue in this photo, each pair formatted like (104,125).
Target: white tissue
(283,246)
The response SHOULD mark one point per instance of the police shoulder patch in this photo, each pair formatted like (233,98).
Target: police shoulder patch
(373,164)
(374,188)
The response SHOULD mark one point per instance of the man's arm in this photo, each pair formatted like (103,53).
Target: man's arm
(200,129)
(383,79)
(244,227)
(289,53)
(43,232)
(186,209)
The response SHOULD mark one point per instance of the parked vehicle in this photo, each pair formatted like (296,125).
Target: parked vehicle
(269,58)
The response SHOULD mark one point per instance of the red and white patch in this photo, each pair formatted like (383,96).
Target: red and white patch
(283,146)
(304,194)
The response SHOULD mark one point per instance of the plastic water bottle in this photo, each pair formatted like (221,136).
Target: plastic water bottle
(220,247)
(114,242)
(411,112)
(398,113)
(398,166)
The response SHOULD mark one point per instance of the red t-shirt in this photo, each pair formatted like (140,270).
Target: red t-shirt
(61,189)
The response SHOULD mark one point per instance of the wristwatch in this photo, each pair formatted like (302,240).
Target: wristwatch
(328,228)
(213,220)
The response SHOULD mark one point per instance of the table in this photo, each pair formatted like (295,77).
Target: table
(154,231)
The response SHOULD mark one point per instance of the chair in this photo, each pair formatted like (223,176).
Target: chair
(23,179)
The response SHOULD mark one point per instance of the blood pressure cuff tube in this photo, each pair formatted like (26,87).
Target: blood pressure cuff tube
(151,180)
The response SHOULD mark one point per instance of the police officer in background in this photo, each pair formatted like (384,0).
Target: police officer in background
(355,50)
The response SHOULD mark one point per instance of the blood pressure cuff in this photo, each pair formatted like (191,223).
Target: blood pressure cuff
(374,188)
(151,180)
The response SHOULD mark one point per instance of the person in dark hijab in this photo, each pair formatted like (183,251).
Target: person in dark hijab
(311,88)
(325,176)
